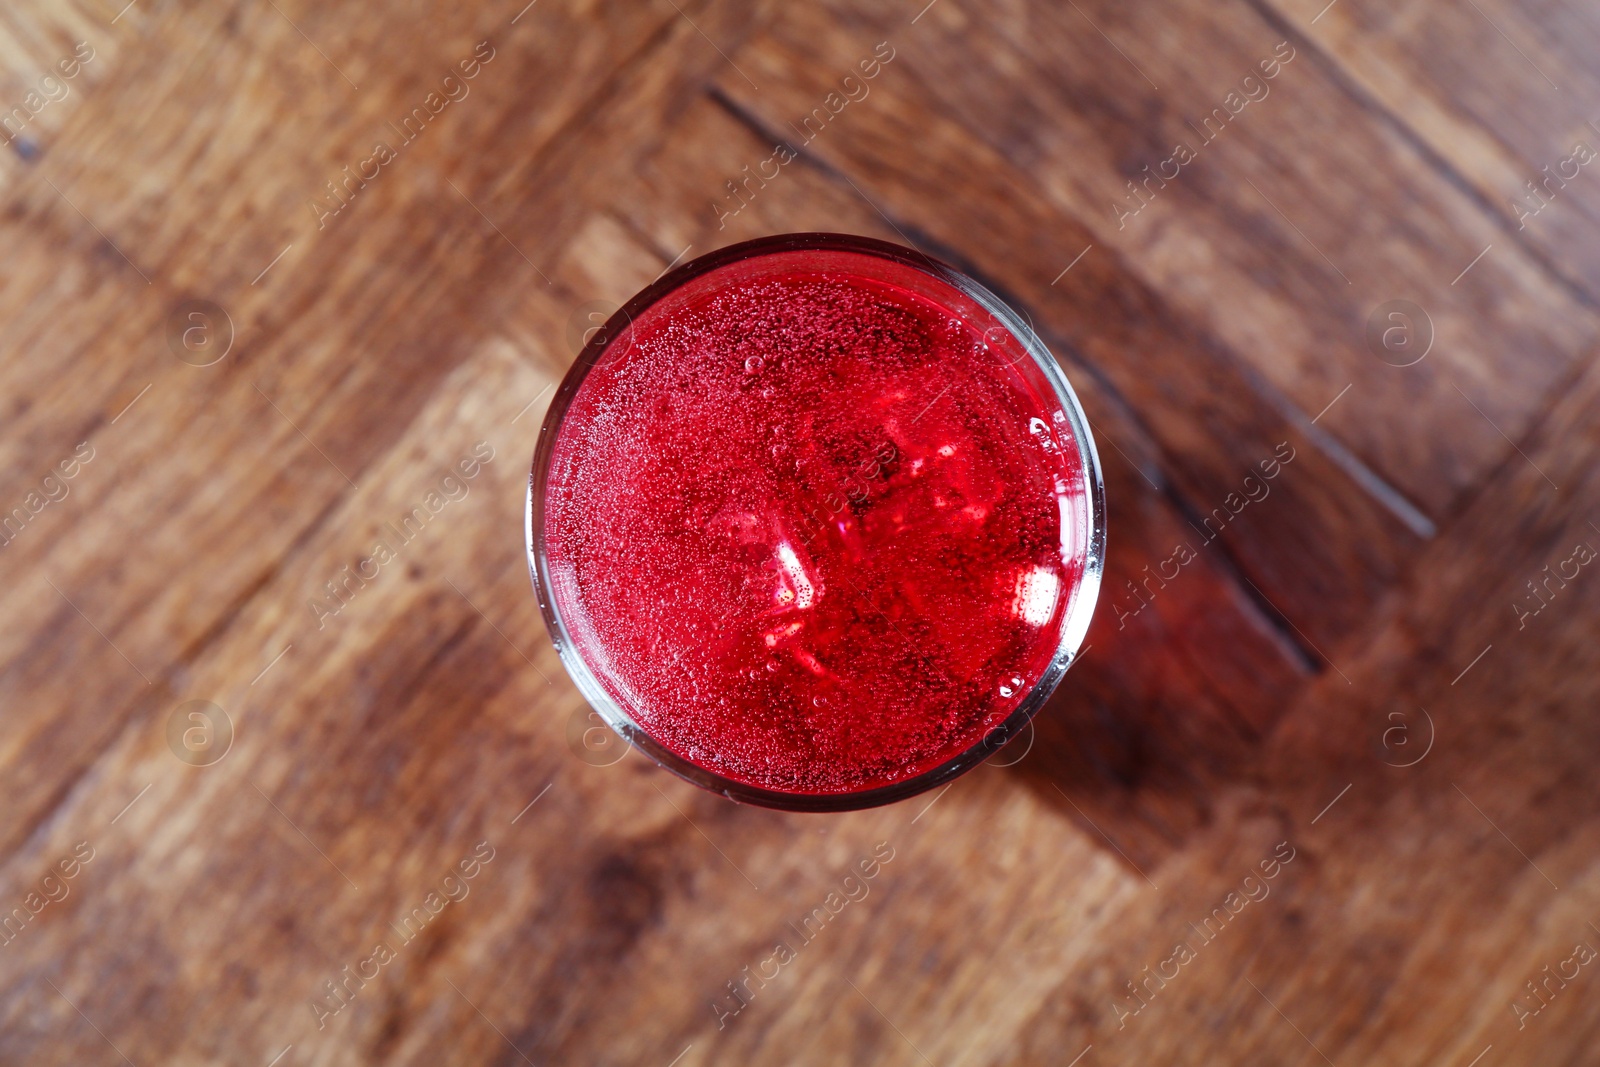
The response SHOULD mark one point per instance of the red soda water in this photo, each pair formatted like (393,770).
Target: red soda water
(812,530)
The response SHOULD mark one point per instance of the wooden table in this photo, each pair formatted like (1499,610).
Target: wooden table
(273,270)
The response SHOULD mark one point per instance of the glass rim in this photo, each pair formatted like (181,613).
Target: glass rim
(1074,625)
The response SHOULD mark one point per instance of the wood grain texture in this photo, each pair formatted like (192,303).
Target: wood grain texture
(1385,669)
